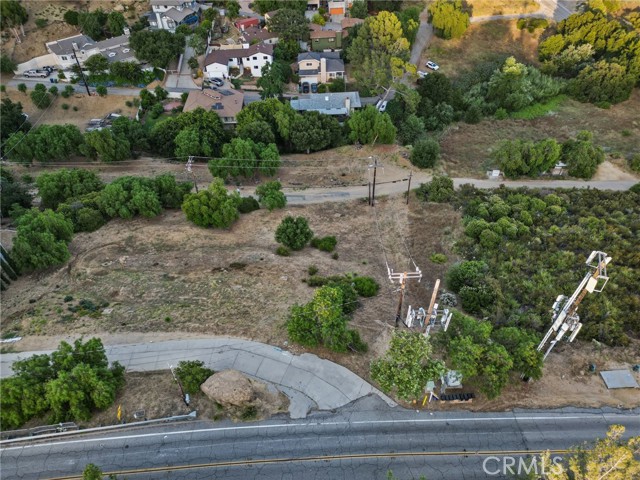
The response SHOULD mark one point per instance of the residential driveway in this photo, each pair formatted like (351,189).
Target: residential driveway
(183,79)
(310,382)
(425,32)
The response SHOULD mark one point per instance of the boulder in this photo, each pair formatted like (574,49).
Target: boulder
(229,388)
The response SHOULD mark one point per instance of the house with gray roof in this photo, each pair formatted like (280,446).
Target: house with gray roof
(169,14)
(67,49)
(217,63)
(320,67)
(337,104)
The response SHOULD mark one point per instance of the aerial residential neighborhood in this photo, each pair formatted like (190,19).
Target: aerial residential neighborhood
(364,239)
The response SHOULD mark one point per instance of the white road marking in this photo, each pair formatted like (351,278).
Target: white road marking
(297,425)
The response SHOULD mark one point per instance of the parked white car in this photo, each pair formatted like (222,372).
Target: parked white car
(36,73)
(422,74)
(433,65)
(382,105)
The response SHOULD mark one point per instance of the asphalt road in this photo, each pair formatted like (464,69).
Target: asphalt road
(364,440)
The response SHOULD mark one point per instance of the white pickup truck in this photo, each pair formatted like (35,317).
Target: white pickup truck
(37,73)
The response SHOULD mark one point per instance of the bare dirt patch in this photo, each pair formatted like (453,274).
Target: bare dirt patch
(481,8)
(482,42)
(88,107)
(466,149)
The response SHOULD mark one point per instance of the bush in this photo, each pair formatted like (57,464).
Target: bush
(65,106)
(192,374)
(326,244)
(634,163)
(283,251)
(312,270)
(501,114)
(41,22)
(213,207)
(270,195)
(22,88)
(248,205)
(439,190)
(101,90)
(365,286)
(294,232)
(438,258)
(425,153)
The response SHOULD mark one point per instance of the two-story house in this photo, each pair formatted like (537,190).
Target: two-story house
(218,63)
(169,14)
(226,103)
(327,38)
(320,67)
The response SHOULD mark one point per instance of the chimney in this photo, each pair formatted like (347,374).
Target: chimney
(347,104)
(74,45)
(126,30)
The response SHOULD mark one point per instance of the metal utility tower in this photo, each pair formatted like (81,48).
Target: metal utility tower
(565,310)
(435,316)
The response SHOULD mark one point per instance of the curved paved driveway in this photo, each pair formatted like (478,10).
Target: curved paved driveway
(309,381)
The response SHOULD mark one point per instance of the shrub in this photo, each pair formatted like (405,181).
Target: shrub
(192,374)
(283,251)
(312,270)
(3,88)
(294,232)
(65,106)
(438,258)
(270,195)
(101,90)
(501,114)
(335,256)
(53,90)
(439,190)
(41,22)
(425,153)
(365,286)
(213,207)
(326,244)
(22,88)
(248,205)
(634,163)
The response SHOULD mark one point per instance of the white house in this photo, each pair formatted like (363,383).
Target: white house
(169,14)
(115,49)
(218,62)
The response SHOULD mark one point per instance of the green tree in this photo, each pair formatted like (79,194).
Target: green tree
(358,9)
(278,115)
(439,190)
(425,153)
(12,193)
(213,207)
(448,18)
(407,365)
(7,65)
(411,130)
(41,240)
(133,131)
(258,131)
(12,119)
(380,53)
(129,71)
(12,14)
(22,88)
(522,346)
(271,82)
(232,9)
(92,23)
(286,50)
(290,24)
(318,19)
(198,44)
(270,195)
(45,143)
(103,144)
(467,273)
(54,188)
(158,47)
(582,156)
(294,232)
(101,90)
(264,6)
(71,17)
(127,197)
(192,374)
(368,126)
(603,82)
(313,131)
(40,97)
(116,23)
(96,64)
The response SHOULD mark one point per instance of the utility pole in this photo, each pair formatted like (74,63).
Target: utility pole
(86,84)
(402,279)
(189,170)
(372,196)
(409,187)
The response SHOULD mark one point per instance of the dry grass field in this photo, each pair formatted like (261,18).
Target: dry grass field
(480,8)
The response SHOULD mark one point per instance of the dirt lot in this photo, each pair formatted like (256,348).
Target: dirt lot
(33,43)
(87,107)
(481,8)
(466,149)
(482,42)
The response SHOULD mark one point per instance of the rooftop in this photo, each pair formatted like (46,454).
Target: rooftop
(226,103)
(64,46)
(169,3)
(350,22)
(327,103)
(178,15)
(223,56)
(258,33)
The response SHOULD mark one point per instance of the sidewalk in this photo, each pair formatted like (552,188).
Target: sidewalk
(309,381)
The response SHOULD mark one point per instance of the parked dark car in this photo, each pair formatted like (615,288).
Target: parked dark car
(314,88)
(305,87)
